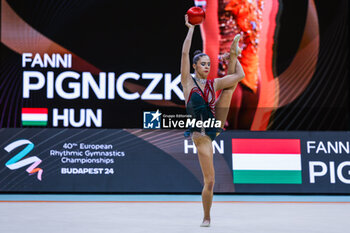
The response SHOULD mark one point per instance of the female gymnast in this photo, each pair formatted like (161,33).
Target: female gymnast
(200,103)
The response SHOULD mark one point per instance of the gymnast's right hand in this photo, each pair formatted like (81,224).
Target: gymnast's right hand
(187,23)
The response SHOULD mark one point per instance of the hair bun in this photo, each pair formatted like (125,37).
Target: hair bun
(197,52)
(197,55)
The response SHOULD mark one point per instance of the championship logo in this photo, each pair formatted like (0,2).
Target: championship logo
(15,162)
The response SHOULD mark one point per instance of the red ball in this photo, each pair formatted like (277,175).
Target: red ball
(196,15)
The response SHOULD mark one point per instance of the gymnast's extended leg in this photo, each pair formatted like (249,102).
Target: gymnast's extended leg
(223,102)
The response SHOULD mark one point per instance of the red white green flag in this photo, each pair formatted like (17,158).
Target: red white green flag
(266,161)
(34,116)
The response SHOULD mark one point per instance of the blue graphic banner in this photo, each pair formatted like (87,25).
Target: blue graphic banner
(163,161)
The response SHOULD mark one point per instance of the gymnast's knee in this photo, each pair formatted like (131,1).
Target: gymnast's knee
(209,183)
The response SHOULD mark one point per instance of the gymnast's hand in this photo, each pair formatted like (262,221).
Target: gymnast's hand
(187,23)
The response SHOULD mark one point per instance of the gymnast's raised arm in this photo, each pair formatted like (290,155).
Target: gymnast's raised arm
(185,58)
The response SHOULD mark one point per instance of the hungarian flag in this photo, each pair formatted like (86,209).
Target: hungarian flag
(34,116)
(266,161)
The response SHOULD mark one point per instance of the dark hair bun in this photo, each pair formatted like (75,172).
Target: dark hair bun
(197,52)
(197,55)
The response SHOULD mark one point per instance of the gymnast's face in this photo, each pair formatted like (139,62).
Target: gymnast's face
(203,66)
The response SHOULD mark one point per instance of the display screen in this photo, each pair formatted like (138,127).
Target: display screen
(162,161)
(104,64)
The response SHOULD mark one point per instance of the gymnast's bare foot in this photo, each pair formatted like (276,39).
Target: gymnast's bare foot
(206,222)
(235,49)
